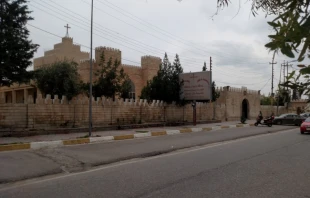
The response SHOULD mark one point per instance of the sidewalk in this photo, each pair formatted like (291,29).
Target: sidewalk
(55,140)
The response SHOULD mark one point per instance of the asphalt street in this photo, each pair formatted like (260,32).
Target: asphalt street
(269,165)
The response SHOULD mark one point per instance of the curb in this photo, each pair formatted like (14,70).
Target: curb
(58,143)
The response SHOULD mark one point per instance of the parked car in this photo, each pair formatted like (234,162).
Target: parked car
(289,118)
(306,115)
(305,126)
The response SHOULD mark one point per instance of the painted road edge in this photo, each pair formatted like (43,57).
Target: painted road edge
(58,143)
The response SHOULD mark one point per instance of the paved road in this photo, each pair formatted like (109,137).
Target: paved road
(24,164)
(273,165)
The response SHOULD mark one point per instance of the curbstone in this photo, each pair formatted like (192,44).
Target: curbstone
(45,144)
(101,139)
(207,129)
(159,133)
(124,137)
(141,135)
(188,130)
(173,132)
(196,129)
(58,143)
(216,128)
(13,147)
(76,141)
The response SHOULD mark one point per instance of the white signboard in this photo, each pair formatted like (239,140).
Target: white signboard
(196,86)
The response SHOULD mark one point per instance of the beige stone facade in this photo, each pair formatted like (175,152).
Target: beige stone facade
(139,75)
(64,50)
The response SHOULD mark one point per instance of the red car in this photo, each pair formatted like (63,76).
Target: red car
(305,126)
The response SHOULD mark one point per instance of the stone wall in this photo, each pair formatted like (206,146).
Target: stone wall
(54,113)
(267,110)
(232,98)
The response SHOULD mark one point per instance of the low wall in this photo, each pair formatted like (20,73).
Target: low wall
(56,113)
(267,110)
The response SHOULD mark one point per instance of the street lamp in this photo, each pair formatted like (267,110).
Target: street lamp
(91,71)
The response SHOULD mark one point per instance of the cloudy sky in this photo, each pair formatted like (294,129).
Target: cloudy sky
(234,39)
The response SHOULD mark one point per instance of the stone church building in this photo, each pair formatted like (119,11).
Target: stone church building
(139,75)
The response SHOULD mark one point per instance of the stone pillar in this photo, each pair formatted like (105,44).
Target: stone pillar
(30,99)
(2,97)
(25,96)
(13,97)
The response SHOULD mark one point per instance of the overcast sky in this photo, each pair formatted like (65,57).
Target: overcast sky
(235,40)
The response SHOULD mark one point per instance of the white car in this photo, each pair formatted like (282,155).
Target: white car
(306,115)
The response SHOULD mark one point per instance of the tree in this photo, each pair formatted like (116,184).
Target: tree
(111,80)
(298,86)
(16,49)
(204,68)
(265,100)
(215,94)
(165,85)
(59,78)
(291,25)
(282,96)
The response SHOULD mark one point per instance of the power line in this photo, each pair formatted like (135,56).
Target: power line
(74,42)
(153,34)
(149,25)
(131,43)
(225,74)
(265,84)
(96,34)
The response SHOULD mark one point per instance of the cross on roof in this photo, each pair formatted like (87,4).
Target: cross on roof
(67,27)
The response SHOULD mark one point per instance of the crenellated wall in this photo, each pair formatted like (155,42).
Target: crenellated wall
(53,113)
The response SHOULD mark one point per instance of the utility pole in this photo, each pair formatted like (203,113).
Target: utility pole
(211,79)
(279,91)
(211,87)
(91,71)
(284,65)
(272,76)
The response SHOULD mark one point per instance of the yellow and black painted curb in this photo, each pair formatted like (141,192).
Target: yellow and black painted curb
(79,141)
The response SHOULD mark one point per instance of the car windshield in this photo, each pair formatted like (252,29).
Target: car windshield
(307,120)
(283,115)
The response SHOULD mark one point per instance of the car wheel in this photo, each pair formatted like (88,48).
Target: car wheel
(302,132)
(279,122)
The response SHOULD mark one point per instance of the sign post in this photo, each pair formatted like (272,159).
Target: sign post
(194,112)
(196,86)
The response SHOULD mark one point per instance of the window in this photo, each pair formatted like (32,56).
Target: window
(132,92)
